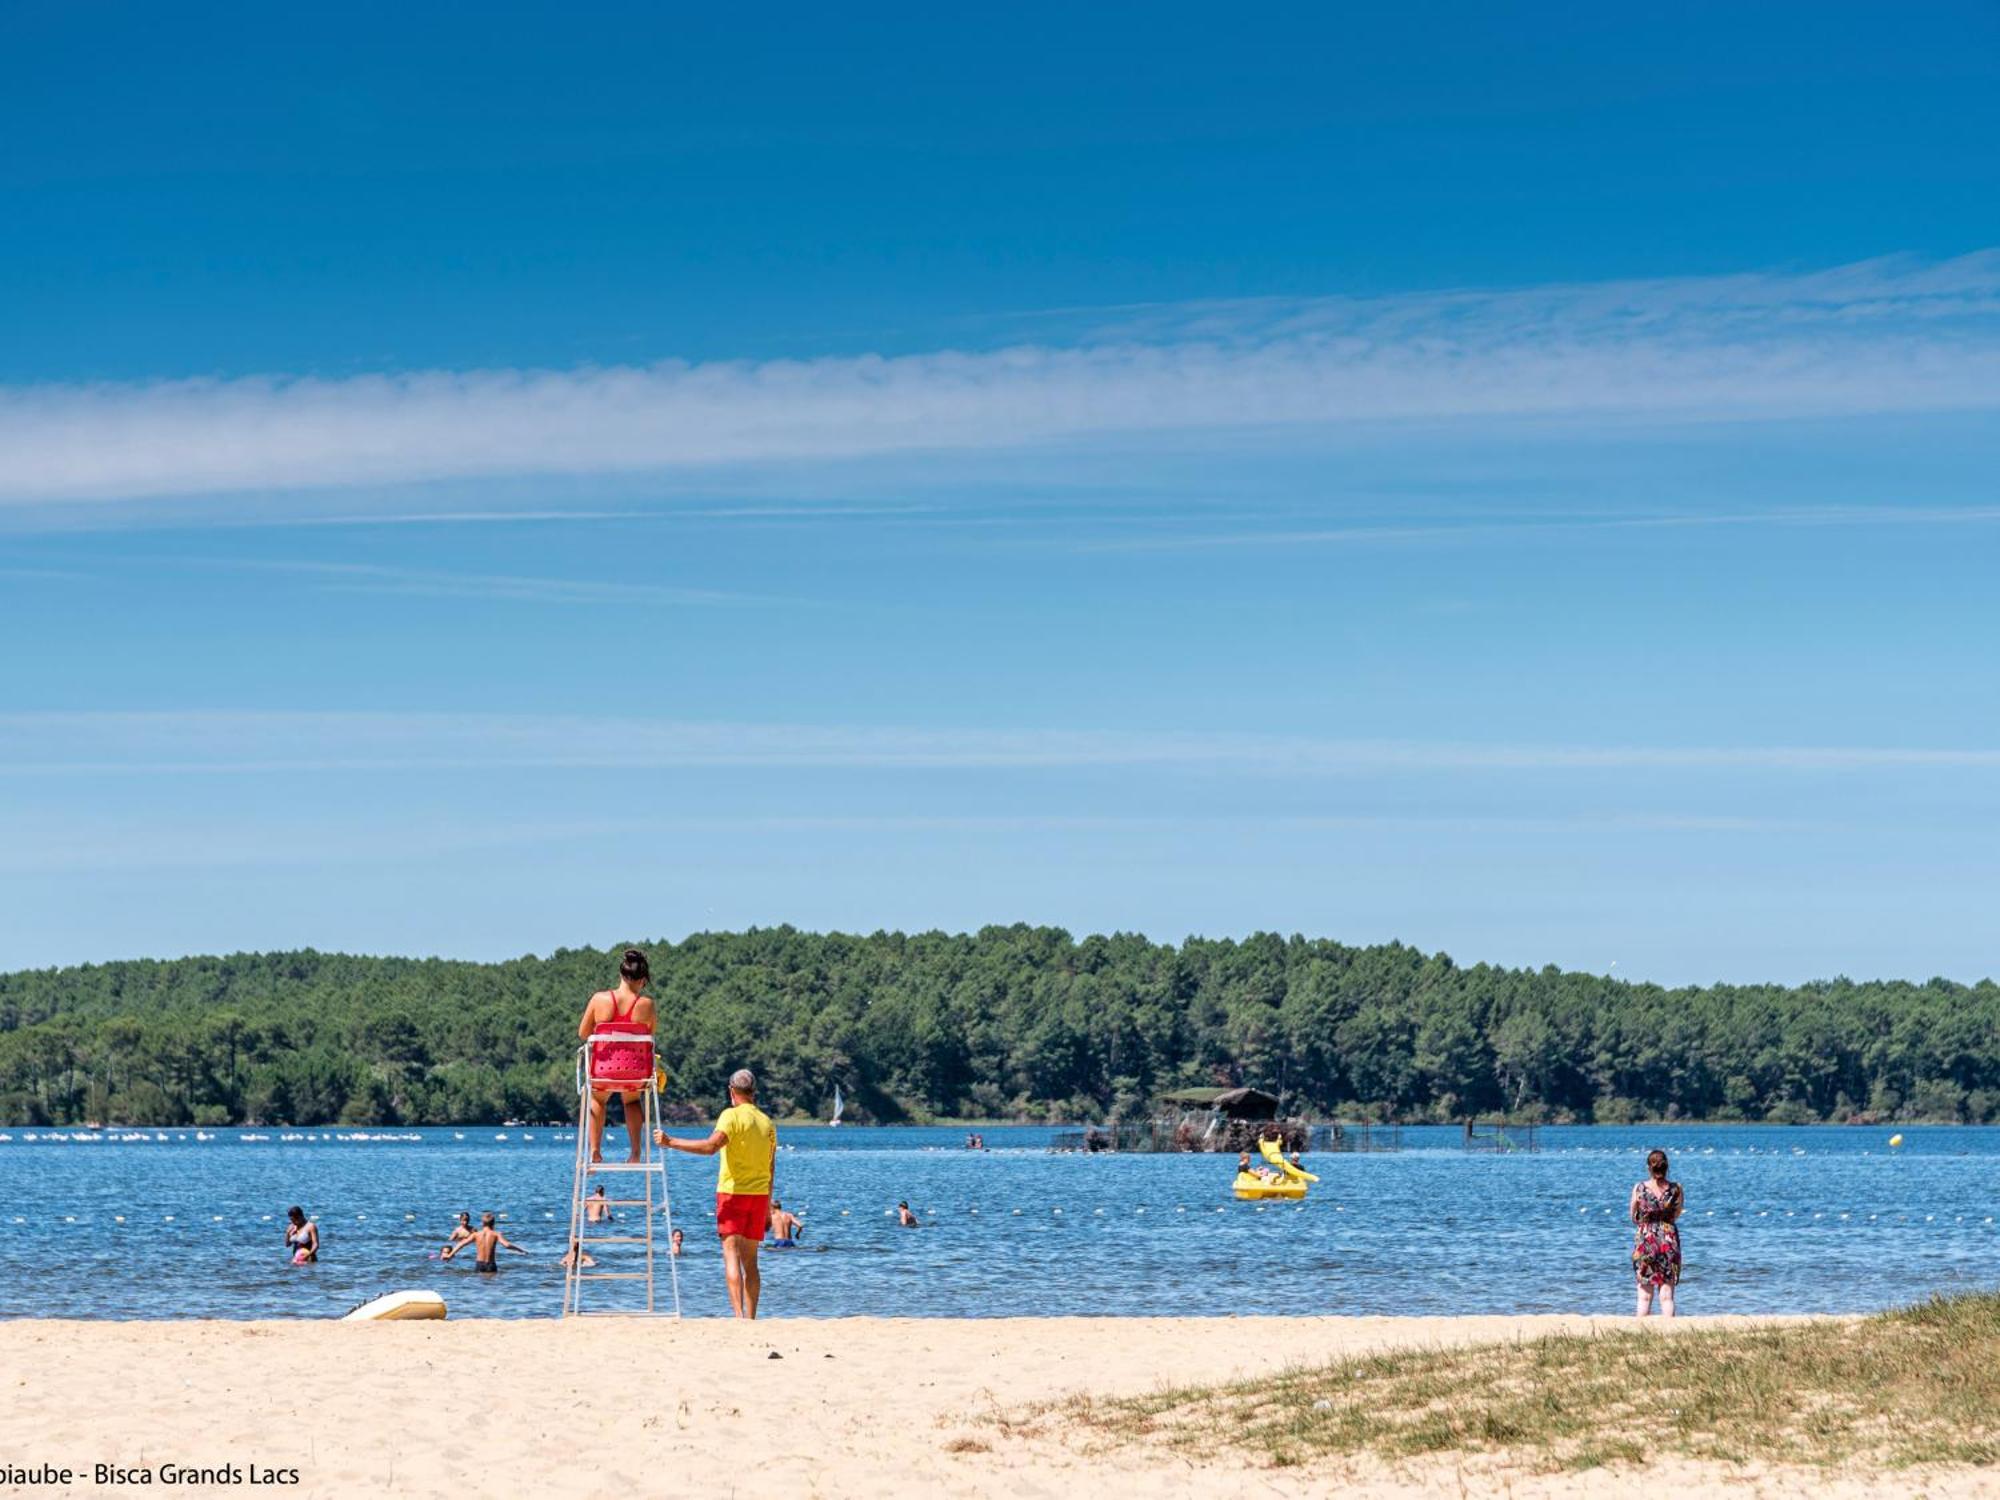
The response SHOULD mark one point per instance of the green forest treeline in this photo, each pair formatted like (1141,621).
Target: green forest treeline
(1009,1023)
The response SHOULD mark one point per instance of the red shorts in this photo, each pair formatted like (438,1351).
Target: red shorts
(743,1214)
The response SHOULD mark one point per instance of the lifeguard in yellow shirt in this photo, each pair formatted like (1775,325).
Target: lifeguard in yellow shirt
(748,1144)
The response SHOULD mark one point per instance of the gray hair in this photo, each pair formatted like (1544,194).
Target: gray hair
(743,1081)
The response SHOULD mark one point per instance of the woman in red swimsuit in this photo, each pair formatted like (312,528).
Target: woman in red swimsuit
(623,1009)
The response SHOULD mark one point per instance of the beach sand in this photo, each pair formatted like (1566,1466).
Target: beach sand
(862,1406)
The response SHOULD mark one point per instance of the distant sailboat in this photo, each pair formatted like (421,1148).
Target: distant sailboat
(838,1105)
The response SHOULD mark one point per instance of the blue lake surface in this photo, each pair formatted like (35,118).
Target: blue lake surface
(1779,1219)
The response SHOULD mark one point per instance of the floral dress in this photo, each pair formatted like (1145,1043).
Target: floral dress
(1656,1242)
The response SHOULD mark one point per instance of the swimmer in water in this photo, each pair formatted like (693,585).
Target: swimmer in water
(676,1247)
(301,1236)
(461,1234)
(595,1209)
(905,1217)
(486,1240)
(786,1230)
(577,1256)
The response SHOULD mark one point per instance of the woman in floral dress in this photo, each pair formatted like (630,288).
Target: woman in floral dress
(1656,1238)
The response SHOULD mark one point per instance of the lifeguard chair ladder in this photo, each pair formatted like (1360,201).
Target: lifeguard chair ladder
(647,1191)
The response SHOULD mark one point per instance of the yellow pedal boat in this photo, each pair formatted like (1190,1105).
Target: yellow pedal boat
(1292,1183)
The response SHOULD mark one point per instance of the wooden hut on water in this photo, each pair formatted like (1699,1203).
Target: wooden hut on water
(1225,1120)
(1212,1119)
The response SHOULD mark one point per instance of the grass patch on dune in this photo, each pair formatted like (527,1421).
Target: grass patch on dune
(1917,1386)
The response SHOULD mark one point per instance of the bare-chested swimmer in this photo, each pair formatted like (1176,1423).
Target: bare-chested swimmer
(486,1240)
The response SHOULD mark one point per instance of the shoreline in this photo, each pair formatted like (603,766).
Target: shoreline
(1527,1324)
(827,1406)
(803,1123)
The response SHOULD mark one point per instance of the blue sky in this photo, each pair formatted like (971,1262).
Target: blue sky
(492,479)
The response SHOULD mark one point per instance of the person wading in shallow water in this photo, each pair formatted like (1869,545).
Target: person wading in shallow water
(747,1141)
(461,1233)
(486,1241)
(1656,1237)
(301,1236)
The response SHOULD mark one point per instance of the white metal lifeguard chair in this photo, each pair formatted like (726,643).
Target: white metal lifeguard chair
(624,1063)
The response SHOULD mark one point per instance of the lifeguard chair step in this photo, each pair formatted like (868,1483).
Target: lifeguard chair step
(649,1184)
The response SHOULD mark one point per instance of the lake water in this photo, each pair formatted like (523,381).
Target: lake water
(1810,1219)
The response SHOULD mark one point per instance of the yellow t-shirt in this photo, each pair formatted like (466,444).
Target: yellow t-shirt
(746,1156)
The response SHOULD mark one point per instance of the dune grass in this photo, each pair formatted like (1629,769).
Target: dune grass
(1916,1386)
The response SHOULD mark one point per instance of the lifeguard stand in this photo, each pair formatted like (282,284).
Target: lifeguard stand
(624,1063)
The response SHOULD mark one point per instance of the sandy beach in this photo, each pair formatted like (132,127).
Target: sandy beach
(832,1407)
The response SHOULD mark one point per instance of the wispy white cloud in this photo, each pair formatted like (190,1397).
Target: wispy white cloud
(371,578)
(1360,536)
(204,742)
(77,845)
(80,845)
(1584,823)
(48,575)
(679,513)
(470,518)
(1886,290)
(1884,336)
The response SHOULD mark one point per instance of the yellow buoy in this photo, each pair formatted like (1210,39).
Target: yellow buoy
(1895,1140)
